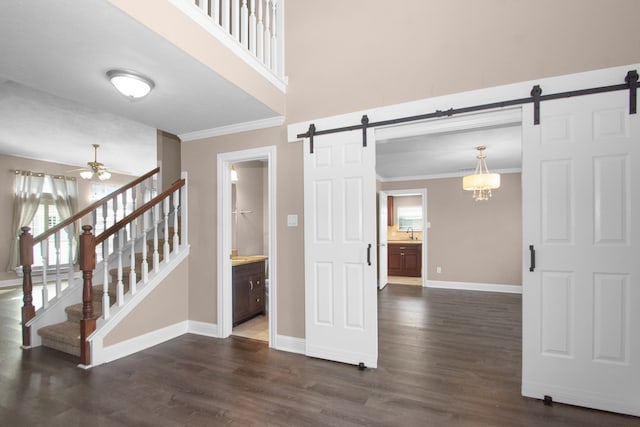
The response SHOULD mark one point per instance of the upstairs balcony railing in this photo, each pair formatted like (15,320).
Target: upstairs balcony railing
(253,26)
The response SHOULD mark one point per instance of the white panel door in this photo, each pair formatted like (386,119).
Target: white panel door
(383,217)
(581,303)
(341,321)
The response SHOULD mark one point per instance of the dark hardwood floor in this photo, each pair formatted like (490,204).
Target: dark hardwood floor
(447,358)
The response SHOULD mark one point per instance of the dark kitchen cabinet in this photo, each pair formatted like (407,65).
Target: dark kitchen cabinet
(405,259)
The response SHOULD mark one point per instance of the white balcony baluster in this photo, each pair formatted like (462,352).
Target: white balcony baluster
(260,33)
(267,35)
(252,27)
(225,14)
(244,25)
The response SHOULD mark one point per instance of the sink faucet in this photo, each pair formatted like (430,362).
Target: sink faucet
(410,229)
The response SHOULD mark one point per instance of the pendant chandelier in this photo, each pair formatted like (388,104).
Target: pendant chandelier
(481,182)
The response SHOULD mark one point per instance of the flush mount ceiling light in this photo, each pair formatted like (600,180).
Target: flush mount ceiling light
(130,84)
(481,182)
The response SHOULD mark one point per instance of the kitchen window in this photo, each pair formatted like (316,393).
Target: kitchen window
(410,217)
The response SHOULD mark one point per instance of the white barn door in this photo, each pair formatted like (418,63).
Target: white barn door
(581,211)
(341,321)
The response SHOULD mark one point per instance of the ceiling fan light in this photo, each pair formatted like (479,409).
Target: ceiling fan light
(131,85)
(104,176)
(86,174)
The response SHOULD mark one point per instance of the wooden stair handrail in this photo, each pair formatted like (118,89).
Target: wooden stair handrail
(93,207)
(142,209)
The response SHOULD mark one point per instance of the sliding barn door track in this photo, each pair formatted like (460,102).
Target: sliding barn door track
(535,98)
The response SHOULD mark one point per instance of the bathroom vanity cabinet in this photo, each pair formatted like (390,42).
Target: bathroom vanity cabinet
(248,291)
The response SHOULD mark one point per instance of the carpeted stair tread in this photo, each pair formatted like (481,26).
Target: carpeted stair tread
(63,337)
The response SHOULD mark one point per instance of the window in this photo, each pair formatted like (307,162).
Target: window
(46,217)
(410,217)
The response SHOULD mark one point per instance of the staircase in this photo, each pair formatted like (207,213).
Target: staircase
(65,336)
(140,235)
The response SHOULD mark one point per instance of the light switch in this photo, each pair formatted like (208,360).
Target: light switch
(292,220)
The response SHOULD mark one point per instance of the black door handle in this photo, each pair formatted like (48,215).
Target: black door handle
(532,263)
(369,254)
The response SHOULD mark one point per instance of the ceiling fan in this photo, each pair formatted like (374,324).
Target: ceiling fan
(95,168)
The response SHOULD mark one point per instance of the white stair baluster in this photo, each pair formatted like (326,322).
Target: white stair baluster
(114,210)
(120,285)
(252,26)
(44,248)
(106,303)
(267,36)
(156,255)
(71,232)
(184,199)
(145,264)
(166,230)
(56,240)
(176,237)
(260,33)
(132,273)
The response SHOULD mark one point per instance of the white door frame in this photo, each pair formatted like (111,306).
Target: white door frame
(422,192)
(224,279)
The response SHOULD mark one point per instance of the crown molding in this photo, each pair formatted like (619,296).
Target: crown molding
(231,129)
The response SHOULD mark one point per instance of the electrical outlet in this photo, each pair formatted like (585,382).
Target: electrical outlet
(438,269)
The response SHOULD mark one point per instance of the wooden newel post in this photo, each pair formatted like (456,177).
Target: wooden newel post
(26,260)
(87,265)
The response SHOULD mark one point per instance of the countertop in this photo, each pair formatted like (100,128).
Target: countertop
(241,260)
(405,242)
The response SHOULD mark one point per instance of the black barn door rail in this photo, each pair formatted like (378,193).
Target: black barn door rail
(631,84)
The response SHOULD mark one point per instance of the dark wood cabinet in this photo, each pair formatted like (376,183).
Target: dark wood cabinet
(405,259)
(248,291)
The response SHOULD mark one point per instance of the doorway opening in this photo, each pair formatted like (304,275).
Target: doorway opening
(474,245)
(246,244)
(405,236)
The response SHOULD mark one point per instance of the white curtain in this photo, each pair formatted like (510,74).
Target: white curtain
(65,197)
(28,191)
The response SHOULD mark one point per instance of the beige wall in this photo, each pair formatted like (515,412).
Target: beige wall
(168,152)
(199,159)
(477,242)
(10,163)
(170,296)
(345,56)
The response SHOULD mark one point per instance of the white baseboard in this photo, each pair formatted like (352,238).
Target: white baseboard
(142,342)
(203,328)
(290,344)
(469,286)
